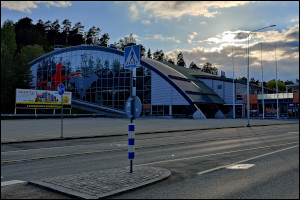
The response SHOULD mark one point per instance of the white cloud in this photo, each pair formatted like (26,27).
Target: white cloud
(26,6)
(146,22)
(176,9)
(287,54)
(240,37)
(161,37)
(138,38)
(191,37)
(295,19)
(158,36)
(134,12)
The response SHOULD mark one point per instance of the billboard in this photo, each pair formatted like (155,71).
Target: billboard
(26,98)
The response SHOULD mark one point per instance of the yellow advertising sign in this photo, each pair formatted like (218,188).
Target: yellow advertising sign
(26,98)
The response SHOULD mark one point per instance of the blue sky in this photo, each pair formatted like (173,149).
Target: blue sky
(203,31)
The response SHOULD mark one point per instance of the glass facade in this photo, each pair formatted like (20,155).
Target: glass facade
(94,76)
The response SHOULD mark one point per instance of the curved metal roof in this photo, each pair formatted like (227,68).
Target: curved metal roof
(75,48)
(205,94)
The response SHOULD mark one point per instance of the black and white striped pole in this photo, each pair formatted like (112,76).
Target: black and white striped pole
(131,127)
(133,105)
(131,142)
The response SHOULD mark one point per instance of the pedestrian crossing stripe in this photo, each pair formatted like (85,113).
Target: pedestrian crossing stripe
(12,182)
(132,59)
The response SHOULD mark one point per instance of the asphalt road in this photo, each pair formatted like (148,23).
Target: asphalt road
(275,176)
(197,159)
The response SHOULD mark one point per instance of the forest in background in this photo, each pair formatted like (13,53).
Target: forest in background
(23,41)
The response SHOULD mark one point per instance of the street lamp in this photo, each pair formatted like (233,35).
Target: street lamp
(233,88)
(248,83)
(262,82)
(276,84)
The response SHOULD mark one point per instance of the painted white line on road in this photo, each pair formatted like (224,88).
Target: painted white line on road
(46,148)
(3,139)
(215,154)
(217,168)
(61,147)
(12,182)
(240,166)
(293,132)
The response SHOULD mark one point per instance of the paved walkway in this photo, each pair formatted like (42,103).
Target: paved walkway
(104,183)
(45,129)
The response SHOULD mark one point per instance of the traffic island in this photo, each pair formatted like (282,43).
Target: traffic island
(103,183)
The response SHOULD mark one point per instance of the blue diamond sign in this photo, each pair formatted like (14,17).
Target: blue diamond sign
(132,55)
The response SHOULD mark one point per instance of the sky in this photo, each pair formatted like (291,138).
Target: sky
(204,31)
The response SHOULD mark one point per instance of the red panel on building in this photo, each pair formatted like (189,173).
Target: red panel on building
(252,99)
(296,97)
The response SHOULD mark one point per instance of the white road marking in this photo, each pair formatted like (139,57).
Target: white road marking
(214,169)
(240,166)
(46,148)
(119,145)
(5,183)
(3,139)
(61,147)
(293,132)
(215,154)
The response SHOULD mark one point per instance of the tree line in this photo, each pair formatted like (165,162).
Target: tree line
(23,41)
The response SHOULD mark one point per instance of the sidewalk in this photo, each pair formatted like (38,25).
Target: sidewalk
(50,129)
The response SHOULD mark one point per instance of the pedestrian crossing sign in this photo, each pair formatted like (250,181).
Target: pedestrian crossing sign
(132,55)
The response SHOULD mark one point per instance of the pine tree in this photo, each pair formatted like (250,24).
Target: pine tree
(103,41)
(208,68)
(171,61)
(180,60)
(149,55)
(158,55)
(193,66)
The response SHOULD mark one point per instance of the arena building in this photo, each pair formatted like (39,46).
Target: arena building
(99,83)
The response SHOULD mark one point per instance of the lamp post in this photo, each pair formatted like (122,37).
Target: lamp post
(276,84)
(233,88)
(248,83)
(262,83)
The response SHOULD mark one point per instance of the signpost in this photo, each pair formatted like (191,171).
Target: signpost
(132,55)
(61,90)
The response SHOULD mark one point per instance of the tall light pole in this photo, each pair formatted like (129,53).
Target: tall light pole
(276,84)
(248,83)
(233,88)
(262,82)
